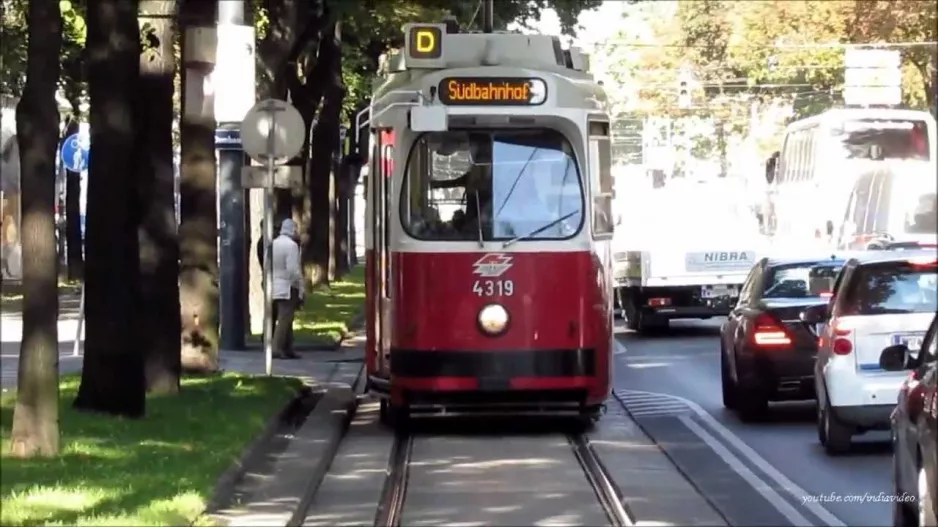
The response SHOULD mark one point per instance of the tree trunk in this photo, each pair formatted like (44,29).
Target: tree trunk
(74,244)
(159,246)
(112,379)
(198,228)
(36,415)
(318,254)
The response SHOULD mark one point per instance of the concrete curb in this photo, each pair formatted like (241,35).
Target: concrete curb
(344,419)
(228,481)
(299,471)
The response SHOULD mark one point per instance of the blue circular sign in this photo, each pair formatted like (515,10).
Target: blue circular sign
(74,152)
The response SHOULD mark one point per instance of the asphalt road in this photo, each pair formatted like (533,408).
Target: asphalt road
(671,386)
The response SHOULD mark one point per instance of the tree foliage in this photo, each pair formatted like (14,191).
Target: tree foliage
(759,54)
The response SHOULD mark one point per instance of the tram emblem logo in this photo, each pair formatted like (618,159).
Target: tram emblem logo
(492,265)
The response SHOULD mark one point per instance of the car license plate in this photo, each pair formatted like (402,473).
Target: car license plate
(913,341)
(717,291)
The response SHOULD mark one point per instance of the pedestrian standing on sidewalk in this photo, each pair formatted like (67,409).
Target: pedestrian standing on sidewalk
(288,289)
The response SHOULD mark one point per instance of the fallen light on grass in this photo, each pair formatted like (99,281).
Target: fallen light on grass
(157,471)
(324,318)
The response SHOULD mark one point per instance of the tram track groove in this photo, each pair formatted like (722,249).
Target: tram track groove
(609,496)
(394,492)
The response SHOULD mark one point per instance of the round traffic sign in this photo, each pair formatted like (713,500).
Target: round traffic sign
(74,152)
(272,129)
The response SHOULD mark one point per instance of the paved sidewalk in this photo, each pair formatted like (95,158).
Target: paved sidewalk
(318,366)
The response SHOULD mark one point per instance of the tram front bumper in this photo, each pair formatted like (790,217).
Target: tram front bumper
(533,377)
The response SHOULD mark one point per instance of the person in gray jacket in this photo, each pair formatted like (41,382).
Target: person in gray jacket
(288,288)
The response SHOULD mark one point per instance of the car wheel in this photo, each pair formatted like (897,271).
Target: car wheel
(926,508)
(751,405)
(838,436)
(726,380)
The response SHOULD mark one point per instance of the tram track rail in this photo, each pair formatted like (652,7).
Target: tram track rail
(608,495)
(394,493)
(391,506)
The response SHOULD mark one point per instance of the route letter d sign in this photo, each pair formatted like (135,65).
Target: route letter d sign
(425,42)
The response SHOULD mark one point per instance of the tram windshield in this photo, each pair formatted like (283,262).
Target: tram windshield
(492,185)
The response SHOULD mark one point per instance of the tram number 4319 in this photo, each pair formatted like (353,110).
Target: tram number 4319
(493,288)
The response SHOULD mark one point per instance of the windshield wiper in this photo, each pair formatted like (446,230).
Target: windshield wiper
(515,182)
(479,219)
(539,229)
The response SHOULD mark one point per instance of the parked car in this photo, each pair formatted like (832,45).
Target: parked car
(915,430)
(766,352)
(880,298)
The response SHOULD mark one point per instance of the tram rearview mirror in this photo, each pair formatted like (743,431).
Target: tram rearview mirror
(429,119)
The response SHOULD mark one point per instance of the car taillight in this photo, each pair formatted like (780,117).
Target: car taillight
(769,332)
(841,344)
(926,262)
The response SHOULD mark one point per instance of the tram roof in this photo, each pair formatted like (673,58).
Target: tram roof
(492,55)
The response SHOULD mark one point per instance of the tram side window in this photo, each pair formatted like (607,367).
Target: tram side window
(492,185)
(602,184)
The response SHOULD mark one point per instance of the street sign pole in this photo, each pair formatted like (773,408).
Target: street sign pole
(269,246)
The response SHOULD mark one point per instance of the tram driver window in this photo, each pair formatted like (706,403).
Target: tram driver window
(492,185)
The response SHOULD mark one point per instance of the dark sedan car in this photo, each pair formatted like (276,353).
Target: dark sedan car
(914,431)
(766,352)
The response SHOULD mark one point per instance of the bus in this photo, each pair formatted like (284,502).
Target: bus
(824,156)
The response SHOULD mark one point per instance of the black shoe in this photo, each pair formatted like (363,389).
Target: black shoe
(292,355)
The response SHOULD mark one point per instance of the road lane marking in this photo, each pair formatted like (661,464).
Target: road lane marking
(640,405)
(753,457)
(760,486)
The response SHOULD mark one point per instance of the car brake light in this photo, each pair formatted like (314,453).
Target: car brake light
(826,294)
(769,332)
(923,262)
(659,301)
(842,346)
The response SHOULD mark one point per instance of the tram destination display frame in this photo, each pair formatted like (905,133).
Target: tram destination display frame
(492,91)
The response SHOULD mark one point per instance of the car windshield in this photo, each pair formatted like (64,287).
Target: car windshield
(895,288)
(492,185)
(801,280)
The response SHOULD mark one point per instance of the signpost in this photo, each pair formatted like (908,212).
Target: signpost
(872,77)
(74,154)
(272,133)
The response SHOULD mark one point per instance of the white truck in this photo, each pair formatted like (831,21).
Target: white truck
(682,251)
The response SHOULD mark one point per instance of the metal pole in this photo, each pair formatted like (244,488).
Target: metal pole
(81,320)
(488,16)
(232,274)
(269,252)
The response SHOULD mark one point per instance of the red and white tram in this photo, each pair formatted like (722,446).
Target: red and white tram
(488,228)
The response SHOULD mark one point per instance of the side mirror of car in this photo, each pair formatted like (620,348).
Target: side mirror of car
(895,358)
(814,314)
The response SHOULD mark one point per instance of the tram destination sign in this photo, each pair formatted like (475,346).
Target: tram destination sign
(492,91)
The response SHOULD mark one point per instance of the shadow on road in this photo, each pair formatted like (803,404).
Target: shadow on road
(679,329)
(483,426)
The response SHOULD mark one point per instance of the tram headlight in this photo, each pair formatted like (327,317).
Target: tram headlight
(493,319)
(538,91)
